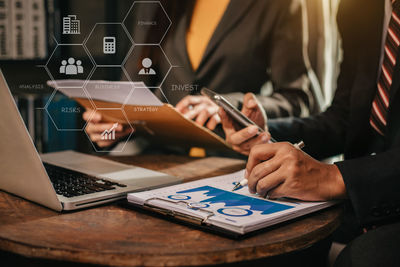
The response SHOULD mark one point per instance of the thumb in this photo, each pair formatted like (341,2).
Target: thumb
(97,117)
(249,103)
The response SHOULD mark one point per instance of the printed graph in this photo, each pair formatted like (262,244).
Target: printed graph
(236,205)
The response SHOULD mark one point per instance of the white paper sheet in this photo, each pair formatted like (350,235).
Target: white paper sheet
(130,93)
(237,211)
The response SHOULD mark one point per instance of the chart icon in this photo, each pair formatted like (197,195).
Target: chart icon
(110,133)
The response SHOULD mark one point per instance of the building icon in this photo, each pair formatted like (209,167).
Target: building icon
(110,133)
(71,25)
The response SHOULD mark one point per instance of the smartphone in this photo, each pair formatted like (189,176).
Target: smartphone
(230,109)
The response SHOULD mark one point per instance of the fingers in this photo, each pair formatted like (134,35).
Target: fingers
(263,177)
(213,122)
(206,114)
(92,127)
(261,153)
(243,135)
(203,109)
(94,131)
(277,192)
(183,105)
(96,137)
(243,140)
(227,123)
(195,111)
(91,115)
(246,146)
(253,109)
(249,103)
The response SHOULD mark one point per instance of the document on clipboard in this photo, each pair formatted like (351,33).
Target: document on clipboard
(158,122)
(210,203)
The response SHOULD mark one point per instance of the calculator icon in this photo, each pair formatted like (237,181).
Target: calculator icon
(109,45)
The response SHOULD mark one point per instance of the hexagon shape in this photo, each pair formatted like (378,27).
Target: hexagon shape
(109,133)
(144,62)
(64,112)
(108,44)
(148,22)
(34,83)
(74,26)
(101,83)
(69,61)
(174,89)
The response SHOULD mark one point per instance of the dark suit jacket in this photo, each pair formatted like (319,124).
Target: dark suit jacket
(372,181)
(256,42)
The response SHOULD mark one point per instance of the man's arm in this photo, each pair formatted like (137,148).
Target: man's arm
(372,184)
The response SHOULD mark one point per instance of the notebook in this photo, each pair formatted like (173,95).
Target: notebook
(211,203)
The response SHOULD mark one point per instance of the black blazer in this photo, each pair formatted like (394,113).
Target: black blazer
(372,181)
(256,42)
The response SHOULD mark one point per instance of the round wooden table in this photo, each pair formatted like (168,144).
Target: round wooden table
(114,235)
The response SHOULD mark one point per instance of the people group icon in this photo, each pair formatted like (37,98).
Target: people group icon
(147,69)
(71,67)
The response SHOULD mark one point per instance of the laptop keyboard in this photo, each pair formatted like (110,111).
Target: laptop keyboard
(71,183)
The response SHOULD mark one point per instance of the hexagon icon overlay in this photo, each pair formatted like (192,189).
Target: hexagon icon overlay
(73,27)
(102,83)
(144,64)
(64,113)
(69,62)
(108,44)
(148,22)
(116,118)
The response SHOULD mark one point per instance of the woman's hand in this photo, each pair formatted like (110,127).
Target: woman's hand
(243,139)
(201,109)
(96,126)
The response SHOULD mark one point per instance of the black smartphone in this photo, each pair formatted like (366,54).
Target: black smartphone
(230,109)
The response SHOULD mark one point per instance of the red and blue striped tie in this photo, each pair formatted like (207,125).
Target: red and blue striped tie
(380,104)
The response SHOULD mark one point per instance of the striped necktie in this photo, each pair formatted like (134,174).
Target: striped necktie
(380,104)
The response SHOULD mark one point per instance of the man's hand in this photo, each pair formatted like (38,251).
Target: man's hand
(282,170)
(96,126)
(242,140)
(201,109)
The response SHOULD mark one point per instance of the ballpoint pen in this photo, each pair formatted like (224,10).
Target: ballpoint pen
(244,182)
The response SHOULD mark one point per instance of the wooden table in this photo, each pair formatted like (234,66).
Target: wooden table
(114,235)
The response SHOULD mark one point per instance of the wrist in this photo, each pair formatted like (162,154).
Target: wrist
(337,187)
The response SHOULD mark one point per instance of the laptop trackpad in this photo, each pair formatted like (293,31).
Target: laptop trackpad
(139,177)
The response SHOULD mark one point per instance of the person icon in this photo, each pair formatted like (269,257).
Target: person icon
(63,66)
(79,66)
(71,68)
(147,70)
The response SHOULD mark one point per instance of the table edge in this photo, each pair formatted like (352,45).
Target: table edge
(205,258)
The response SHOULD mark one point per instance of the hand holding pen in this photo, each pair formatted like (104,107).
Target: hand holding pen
(244,182)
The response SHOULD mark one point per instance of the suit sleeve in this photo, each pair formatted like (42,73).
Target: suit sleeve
(288,92)
(323,134)
(372,184)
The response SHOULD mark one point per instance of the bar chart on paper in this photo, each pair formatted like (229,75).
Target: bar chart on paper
(211,200)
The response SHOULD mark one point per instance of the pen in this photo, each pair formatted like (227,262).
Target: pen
(244,182)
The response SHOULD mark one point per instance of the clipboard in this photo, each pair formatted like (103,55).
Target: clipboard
(211,205)
(159,123)
(182,218)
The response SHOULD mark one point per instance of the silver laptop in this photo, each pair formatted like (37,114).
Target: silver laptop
(64,180)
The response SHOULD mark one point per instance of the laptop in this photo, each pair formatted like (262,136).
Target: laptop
(65,180)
